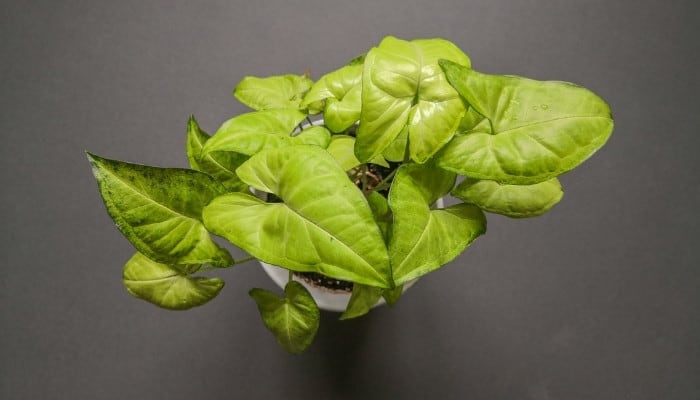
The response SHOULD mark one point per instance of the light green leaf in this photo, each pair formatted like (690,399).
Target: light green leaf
(323,225)
(281,91)
(167,286)
(473,121)
(342,148)
(341,114)
(221,165)
(341,89)
(293,319)
(396,152)
(539,129)
(159,210)
(253,132)
(362,300)
(381,212)
(517,201)
(403,85)
(424,239)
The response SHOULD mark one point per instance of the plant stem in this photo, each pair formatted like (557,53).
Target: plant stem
(363,178)
(384,183)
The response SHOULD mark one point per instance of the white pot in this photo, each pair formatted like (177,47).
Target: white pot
(326,299)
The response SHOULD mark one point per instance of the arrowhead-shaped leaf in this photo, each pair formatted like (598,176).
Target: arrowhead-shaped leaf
(323,225)
(517,201)
(538,129)
(221,165)
(282,91)
(403,85)
(341,89)
(167,286)
(253,132)
(293,319)
(159,210)
(424,239)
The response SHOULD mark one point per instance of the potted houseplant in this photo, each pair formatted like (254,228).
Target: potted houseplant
(339,177)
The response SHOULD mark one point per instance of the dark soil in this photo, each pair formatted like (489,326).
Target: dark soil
(317,279)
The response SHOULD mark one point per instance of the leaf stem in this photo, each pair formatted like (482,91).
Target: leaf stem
(245,260)
(241,261)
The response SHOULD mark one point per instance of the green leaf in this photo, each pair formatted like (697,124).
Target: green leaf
(392,296)
(362,300)
(424,239)
(538,129)
(282,91)
(293,320)
(159,210)
(403,86)
(341,89)
(167,286)
(323,225)
(516,201)
(342,148)
(381,212)
(253,132)
(396,152)
(221,165)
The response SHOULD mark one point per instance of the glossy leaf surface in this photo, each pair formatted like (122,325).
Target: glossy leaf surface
(221,165)
(517,201)
(253,132)
(424,239)
(159,210)
(341,90)
(539,129)
(167,286)
(323,225)
(293,319)
(342,148)
(282,91)
(403,85)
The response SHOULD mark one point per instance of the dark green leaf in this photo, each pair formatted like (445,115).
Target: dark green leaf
(159,210)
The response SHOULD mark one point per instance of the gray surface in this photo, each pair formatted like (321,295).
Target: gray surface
(596,300)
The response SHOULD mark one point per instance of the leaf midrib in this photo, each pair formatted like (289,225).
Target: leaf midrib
(147,198)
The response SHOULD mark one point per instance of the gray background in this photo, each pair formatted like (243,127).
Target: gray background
(598,299)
